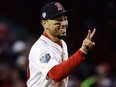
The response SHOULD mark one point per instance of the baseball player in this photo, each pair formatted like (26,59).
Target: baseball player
(49,65)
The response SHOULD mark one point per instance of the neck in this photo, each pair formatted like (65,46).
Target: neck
(51,37)
(58,41)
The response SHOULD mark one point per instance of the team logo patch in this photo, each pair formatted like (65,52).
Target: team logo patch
(45,58)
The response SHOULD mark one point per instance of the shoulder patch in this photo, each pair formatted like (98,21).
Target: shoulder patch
(45,58)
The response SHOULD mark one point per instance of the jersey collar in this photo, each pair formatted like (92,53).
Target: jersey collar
(59,43)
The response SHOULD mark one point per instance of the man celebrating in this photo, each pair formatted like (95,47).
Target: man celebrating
(49,65)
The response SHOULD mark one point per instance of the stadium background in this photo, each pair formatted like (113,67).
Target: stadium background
(20,27)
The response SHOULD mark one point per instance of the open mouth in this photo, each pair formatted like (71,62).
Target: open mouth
(62,31)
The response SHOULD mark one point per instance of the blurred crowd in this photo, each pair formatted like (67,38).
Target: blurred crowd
(87,76)
(98,70)
(13,56)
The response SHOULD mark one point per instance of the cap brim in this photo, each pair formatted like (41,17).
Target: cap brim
(66,12)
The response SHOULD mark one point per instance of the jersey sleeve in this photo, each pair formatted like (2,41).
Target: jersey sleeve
(47,61)
(41,60)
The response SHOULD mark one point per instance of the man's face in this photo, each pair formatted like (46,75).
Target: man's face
(57,27)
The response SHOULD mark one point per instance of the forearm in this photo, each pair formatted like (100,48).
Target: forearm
(65,68)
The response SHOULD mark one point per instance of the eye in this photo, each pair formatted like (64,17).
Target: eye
(57,23)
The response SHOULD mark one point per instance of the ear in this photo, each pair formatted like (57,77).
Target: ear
(43,22)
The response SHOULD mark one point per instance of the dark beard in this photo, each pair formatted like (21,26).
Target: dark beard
(62,37)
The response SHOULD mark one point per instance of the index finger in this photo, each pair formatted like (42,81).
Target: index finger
(92,34)
(88,35)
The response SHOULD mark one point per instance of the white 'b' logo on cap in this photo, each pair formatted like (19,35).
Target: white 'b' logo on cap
(59,6)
